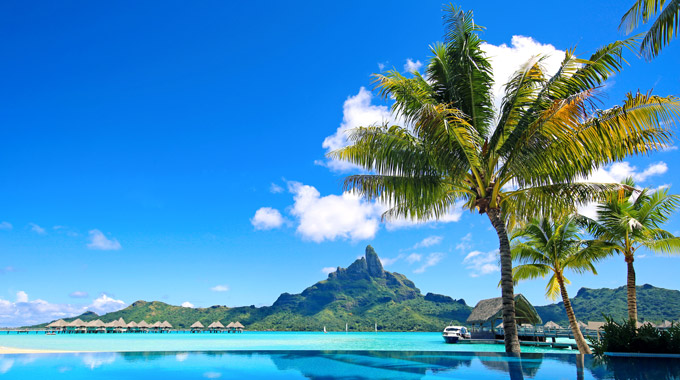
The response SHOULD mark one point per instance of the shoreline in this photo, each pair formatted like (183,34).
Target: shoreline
(13,350)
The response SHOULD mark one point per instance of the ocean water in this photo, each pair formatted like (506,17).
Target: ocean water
(251,341)
(329,365)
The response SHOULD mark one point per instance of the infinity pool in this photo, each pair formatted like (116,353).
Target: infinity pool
(329,365)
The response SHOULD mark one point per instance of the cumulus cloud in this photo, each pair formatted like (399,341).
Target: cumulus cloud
(428,242)
(505,60)
(220,288)
(187,304)
(344,216)
(275,189)
(24,312)
(78,294)
(105,304)
(22,296)
(617,172)
(357,111)
(5,226)
(411,66)
(37,229)
(99,241)
(480,263)
(328,270)
(431,260)
(267,218)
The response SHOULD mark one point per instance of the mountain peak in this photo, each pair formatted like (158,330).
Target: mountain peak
(375,268)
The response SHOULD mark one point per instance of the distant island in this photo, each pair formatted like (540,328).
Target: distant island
(364,295)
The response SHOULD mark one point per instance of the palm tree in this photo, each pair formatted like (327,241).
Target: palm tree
(631,220)
(551,248)
(662,31)
(516,163)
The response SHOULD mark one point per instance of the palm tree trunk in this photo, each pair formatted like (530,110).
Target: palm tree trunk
(632,295)
(578,337)
(507,285)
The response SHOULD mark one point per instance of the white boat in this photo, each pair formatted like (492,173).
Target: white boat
(452,334)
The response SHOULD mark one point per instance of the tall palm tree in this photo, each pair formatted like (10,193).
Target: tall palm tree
(515,163)
(547,248)
(662,31)
(631,220)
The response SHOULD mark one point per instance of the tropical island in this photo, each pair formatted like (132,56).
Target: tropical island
(365,297)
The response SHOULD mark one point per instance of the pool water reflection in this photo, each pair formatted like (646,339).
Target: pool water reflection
(328,365)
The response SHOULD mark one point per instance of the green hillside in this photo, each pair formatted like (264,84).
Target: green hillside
(654,305)
(360,296)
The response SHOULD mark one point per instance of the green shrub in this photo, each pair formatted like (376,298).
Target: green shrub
(627,337)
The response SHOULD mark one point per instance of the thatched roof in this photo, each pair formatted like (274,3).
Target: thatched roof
(157,324)
(122,321)
(96,323)
(238,325)
(581,325)
(663,325)
(216,325)
(231,325)
(197,325)
(552,325)
(59,323)
(489,310)
(77,323)
(166,325)
(132,324)
(143,324)
(595,325)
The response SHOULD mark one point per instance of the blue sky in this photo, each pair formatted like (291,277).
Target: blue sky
(174,151)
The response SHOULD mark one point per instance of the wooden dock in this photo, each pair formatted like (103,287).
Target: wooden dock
(522,343)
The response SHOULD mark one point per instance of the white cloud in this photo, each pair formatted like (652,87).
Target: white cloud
(465,242)
(5,226)
(187,304)
(25,312)
(617,172)
(220,288)
(505,60)
(381,66)
(37,229)
(428,242)
(452,215)
(386,261)
(414,257)
(99,241)
(328,270)
(411,66)
(105,304)
(431,260)
(331,217)
(275,189)
(267,218)
(99,359)
(22,296)
(357,111)
(78,294)
(480,263)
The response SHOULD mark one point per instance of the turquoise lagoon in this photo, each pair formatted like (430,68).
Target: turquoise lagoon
(250,341)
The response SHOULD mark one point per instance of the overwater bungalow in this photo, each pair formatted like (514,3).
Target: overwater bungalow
(166,325)
(487,313)
(96,326)
(156,327)
(143,326)
(197,326)
(59,325)
(581,326)
(550,325)
(238,326)
(230,327)
(216,326)
(132,326)
(77,326)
